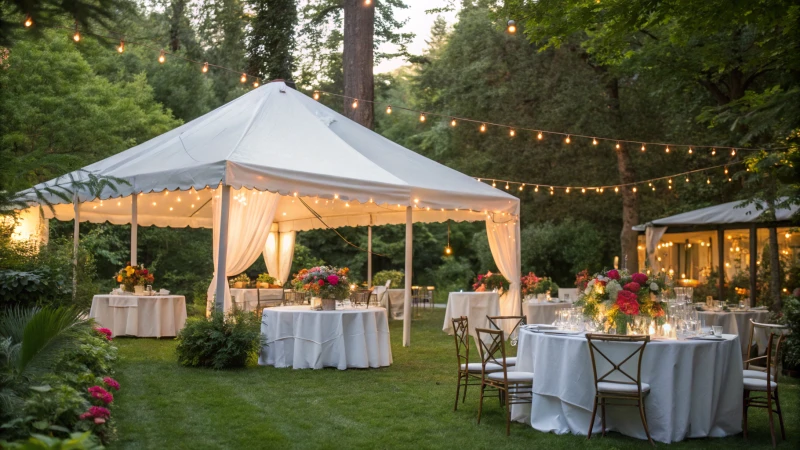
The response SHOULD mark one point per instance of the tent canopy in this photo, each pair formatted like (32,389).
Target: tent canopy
(279,140)
(726,213)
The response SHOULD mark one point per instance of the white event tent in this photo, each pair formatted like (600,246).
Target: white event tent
(274,162)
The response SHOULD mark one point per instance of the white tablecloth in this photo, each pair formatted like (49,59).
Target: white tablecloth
(738,323)
(539,313)
(301,338)
(250,296)
(142,316)
(696,387)
(475,305)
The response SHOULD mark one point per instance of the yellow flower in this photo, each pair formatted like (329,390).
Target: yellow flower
(129,270)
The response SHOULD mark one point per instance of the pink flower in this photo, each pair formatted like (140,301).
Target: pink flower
(627,303)
(639,278)
(101,394)
(112,383)
(333,280)
(96,412)
(613,274)
(480,277)
(633,287)
(105,332)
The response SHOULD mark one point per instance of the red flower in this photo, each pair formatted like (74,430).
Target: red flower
(639,278)
(627,303)
(633,287)
(321,283)
(333,280)
(145,272)
(112,383)
(101,394)
(97,413)
(613,274)
(105,332)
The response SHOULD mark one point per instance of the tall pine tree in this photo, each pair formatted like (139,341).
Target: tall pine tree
(271,41)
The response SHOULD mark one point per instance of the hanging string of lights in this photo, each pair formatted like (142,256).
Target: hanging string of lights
(540,134)
(686,177)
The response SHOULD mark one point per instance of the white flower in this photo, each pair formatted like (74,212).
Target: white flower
(613,289)
(654,286)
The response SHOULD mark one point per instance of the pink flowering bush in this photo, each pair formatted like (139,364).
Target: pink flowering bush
(101,394)
(112,383)
(96,414)
(105,332)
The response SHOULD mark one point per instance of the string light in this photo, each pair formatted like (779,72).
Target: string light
(354,105)
(617,146)
(521,186)
(121,47)
(687,179)
(690,150)
(539,136)
(77,36)
(713,151)
(511,132)
(594,141)
(448,250)
(511,27)
(616,189)
(708,180)
(28,21)
(666,150)
(506,186)
(536,189)
(162,57)
(634,189)
(422,117)
(453,122)
(205,69)
(643,147)
(567,140)
(567,191)
(243,79)
(494,184)
(367,2)
(733,152)
(255,83)
(389,109)
(726,171)
(583,191)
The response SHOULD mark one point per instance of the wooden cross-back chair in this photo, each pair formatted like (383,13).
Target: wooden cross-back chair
(767,384)
(514,388)
(617,383)
(262,302)
(517,321)
(360,297)
(294,298)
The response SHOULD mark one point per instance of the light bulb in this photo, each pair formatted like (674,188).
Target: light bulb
(521,186)
(512,133)
(713,151)
(726,171)
(567,140)
(512,26)
(367,2)
(389,109)
(161,57)
(506,186)
(666,150)
(539,136)
(453,122)
(690,150)
(354,104)
(643,147)
(616,189)
(205,68)
(483,128)
(422,117)
(583,190)
(567,190)
(617,146)
(243,79)
(733,152)
(121,47)
(594,141)
(708,180)
(634,189)
(536,189)
(448,250)
(494,184)
(255,84)
(76,37)
(687,179)
(28,22)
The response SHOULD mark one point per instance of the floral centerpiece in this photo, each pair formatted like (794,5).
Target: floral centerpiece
(327,282)
(533,285)
(241,281)
(266,281)
(134,276)
(620,296)
(490,282)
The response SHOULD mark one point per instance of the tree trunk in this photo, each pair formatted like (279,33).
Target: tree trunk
(178,7)
(630,203)
(774,270)
(357,59)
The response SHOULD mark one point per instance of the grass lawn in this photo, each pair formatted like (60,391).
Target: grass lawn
(408,405)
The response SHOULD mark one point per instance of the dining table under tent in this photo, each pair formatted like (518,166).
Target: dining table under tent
(274,162)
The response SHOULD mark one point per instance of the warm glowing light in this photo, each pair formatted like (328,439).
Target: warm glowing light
(170,208)
(726,171)
(28,22)
(539,136)
(634,189)
(536,189)
(583,190)
(643,147)
(367,3)
(76,37)
(453,122)
(255,84)
(154,203)
(616,189)
(335,196)
(243,79)
(594,141)
(354,105)
(494,184)
(507,186)
(666,150)
(205,68)
(690,150)
(416,200)
(733,152)
(422,117)
(448,250)
(121,47)
(788,235)
(192,205)
(521,186)
(512,27)
(512,133)
(708,180)
(567,190)
(687,179)
(713,151)
(389,109)
(617,146)
(483,128)
(162,57)
(567,140)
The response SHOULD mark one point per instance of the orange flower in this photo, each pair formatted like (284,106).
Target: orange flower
(119,278)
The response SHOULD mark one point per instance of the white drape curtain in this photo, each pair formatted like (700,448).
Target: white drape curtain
(279,253)
(652,237)
(249,221)
(504,242)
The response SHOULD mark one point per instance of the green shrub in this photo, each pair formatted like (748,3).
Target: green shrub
(75,441)
(791,347)
(397,277)
(220,341)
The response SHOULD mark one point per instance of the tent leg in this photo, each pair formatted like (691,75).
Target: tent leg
(222,255)
(369,257)
(753,263)
(721,257)
(519,262)
(134,228)
(76,238)
(407,300)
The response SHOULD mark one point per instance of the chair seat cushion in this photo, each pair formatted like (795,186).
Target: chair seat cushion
(757,374)
(755,384)
(618,388)
(511,361)
(513,377)
(477,367)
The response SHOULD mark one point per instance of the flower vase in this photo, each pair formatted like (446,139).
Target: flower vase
(328,304)
(316,303)
(138,289)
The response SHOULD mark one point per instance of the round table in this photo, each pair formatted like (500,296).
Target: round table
(543,312)
(475,306)
(696,387)
(738,323)
(140,315)
(302,338)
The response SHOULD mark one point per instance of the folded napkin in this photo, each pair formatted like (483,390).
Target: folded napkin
(124,301)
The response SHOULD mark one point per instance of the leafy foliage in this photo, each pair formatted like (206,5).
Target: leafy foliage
(791,347)
(220,341)
(75,441)
(397,277)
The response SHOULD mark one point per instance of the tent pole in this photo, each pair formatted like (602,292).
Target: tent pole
(519,263)
(753,263)
(408,275)
(369,254)
(222,254)
(75,241)
(721,256)
(134,228)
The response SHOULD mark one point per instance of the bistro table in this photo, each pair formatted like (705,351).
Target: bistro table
(302,338)
(249,297)
(696,387)
(475,305)
(543,312)
(140,315)
(738,323)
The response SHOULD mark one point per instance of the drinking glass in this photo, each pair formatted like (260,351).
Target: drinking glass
(566,298)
